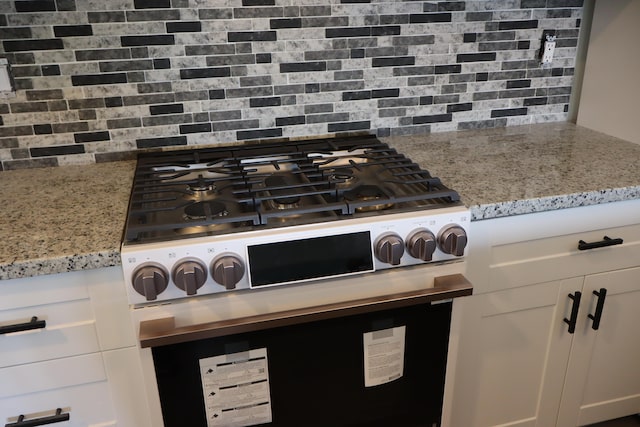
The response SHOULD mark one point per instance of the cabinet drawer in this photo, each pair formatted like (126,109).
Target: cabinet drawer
(554,258)
(42,290)
(77,385)
(69,330)
(85,311)
(541,247)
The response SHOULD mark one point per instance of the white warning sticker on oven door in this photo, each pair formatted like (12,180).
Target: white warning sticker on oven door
(383,356)
(236,389)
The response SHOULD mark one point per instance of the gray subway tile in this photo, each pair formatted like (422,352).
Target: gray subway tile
(295,82)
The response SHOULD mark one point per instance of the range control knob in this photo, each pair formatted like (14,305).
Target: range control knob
(452,240)
(227,270)
(389,249)
(189,275)
(150,281)
(421,244)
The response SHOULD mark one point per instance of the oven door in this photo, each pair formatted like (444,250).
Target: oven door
(376,361)
(314,374)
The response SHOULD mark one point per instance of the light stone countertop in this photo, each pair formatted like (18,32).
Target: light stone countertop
(62,219)
(71,218)
(526,169)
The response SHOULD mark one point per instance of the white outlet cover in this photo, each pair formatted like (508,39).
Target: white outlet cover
(547,55)
(5,80)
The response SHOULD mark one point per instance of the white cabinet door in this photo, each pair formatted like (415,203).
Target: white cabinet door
(517,365)
(603,374)
(513,356)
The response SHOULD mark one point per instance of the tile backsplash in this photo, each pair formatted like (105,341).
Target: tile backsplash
(96,80)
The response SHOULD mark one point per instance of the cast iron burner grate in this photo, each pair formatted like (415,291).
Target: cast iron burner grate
(209,191)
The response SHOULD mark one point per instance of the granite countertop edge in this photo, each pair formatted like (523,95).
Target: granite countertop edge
(549,203)
(101,246)
(60,264)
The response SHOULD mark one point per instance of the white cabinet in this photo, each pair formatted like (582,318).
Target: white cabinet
(517,362)
(603,375)
(77,352)
(77,385)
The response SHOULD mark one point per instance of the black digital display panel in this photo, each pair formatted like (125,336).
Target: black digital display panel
(316,257)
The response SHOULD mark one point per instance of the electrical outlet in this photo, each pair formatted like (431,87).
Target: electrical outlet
(548,49)
(6,84)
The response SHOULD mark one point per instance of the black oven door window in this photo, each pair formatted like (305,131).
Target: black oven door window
(316,372)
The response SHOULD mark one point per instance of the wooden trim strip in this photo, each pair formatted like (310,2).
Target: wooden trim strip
(159,332)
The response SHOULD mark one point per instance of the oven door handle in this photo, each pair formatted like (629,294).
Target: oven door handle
(158,332)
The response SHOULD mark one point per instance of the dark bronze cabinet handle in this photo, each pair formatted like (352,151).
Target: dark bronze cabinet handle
(606,241)
(34,323)
(57,418)
(574,311)
(601,294)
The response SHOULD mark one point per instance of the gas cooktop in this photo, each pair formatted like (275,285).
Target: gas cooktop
(216,220)
(222,190)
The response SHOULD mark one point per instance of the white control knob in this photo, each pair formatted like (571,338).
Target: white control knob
(150,281)
(452,240)
(227,270)
(389,249)
(189,276)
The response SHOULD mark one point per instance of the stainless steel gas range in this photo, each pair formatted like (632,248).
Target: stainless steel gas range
(250,239)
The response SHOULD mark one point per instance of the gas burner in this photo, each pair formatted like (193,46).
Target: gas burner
(200,194)
(282,197)
(201,187)
(284,203)
(204,210)
(340,176)
(366,193)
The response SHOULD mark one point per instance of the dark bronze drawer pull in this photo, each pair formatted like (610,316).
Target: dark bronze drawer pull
(606,241)
(601,294)
(57,418)
(34,323)
(571,321)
